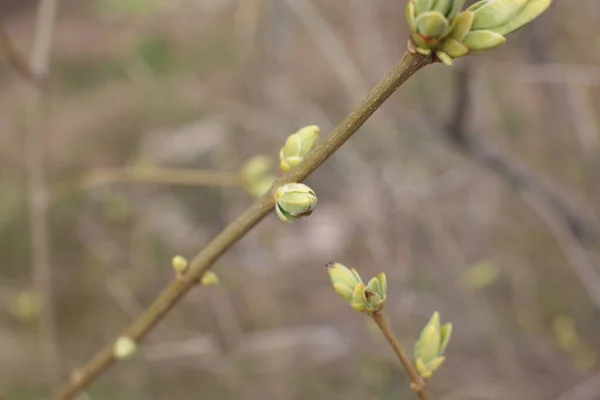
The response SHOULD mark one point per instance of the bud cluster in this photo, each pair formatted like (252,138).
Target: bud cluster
(348,284)
(439,26)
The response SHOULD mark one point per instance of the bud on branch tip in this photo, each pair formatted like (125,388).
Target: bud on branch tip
(429,349)
(439,26)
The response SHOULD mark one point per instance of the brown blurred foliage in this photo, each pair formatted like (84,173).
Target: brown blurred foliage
(208,84)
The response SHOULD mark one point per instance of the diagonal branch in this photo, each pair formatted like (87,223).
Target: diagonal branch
(205,259)
(14,58)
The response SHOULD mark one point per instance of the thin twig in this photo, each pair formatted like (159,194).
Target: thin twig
(157,175)
(14,58)
(418,384)
(38,192)
(178,288)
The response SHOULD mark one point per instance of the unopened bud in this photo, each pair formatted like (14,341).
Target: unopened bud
(294,200)
(124,348)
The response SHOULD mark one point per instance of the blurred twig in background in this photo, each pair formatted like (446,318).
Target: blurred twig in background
(574,227)
(157,175)
(38,191)
(36,70)
(15,59)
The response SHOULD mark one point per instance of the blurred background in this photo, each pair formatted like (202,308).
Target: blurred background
(474,188)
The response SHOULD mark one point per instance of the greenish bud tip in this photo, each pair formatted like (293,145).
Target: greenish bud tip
(297,146)
(257,176)
(209,278)
(429,349)
(124,348)
(180,264)
(439,26)
(293,201)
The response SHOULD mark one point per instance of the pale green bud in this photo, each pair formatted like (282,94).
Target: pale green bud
(457,5)
(297,146)
(446,332)
(209,278)
(496,13)
(428,345)
(454,48)
(461,25)
(422,6)
(429,349)
(432,24)
(426,370)
(180,264)
(411,15)
(257,176)
(26,305)
(344,280)
(483,40)
(442,6)
(422,369)
(359,301)
(530,12)
(124,348)
(294,200)
(444,58)
(375,293)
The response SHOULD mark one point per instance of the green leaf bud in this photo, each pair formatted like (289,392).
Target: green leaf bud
(446,332)
(423,5)
(454,48)
(411,15)
(444,58)
(180,264)
(124,348)
(422,369)
(483,40)
(359,301)
(530,12)
(429,349)
(432,24)
(429,342)
(340,274)
(257,176)
(442,6)
(457,5)
(497,13)
(297,146)
(294,200)
(209,278)
(477,5)
(461,25)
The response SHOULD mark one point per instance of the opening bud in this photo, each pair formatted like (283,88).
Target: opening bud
(294,200)
(429,349)
(297,146)
(344,280)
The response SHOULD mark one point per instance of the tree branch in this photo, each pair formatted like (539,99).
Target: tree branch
(418,384)
(178,288)
(14,58)
(37,186)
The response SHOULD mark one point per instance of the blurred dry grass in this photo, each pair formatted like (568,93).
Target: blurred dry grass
(209,83)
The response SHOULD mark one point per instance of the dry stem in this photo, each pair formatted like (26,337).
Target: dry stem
(177,289)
